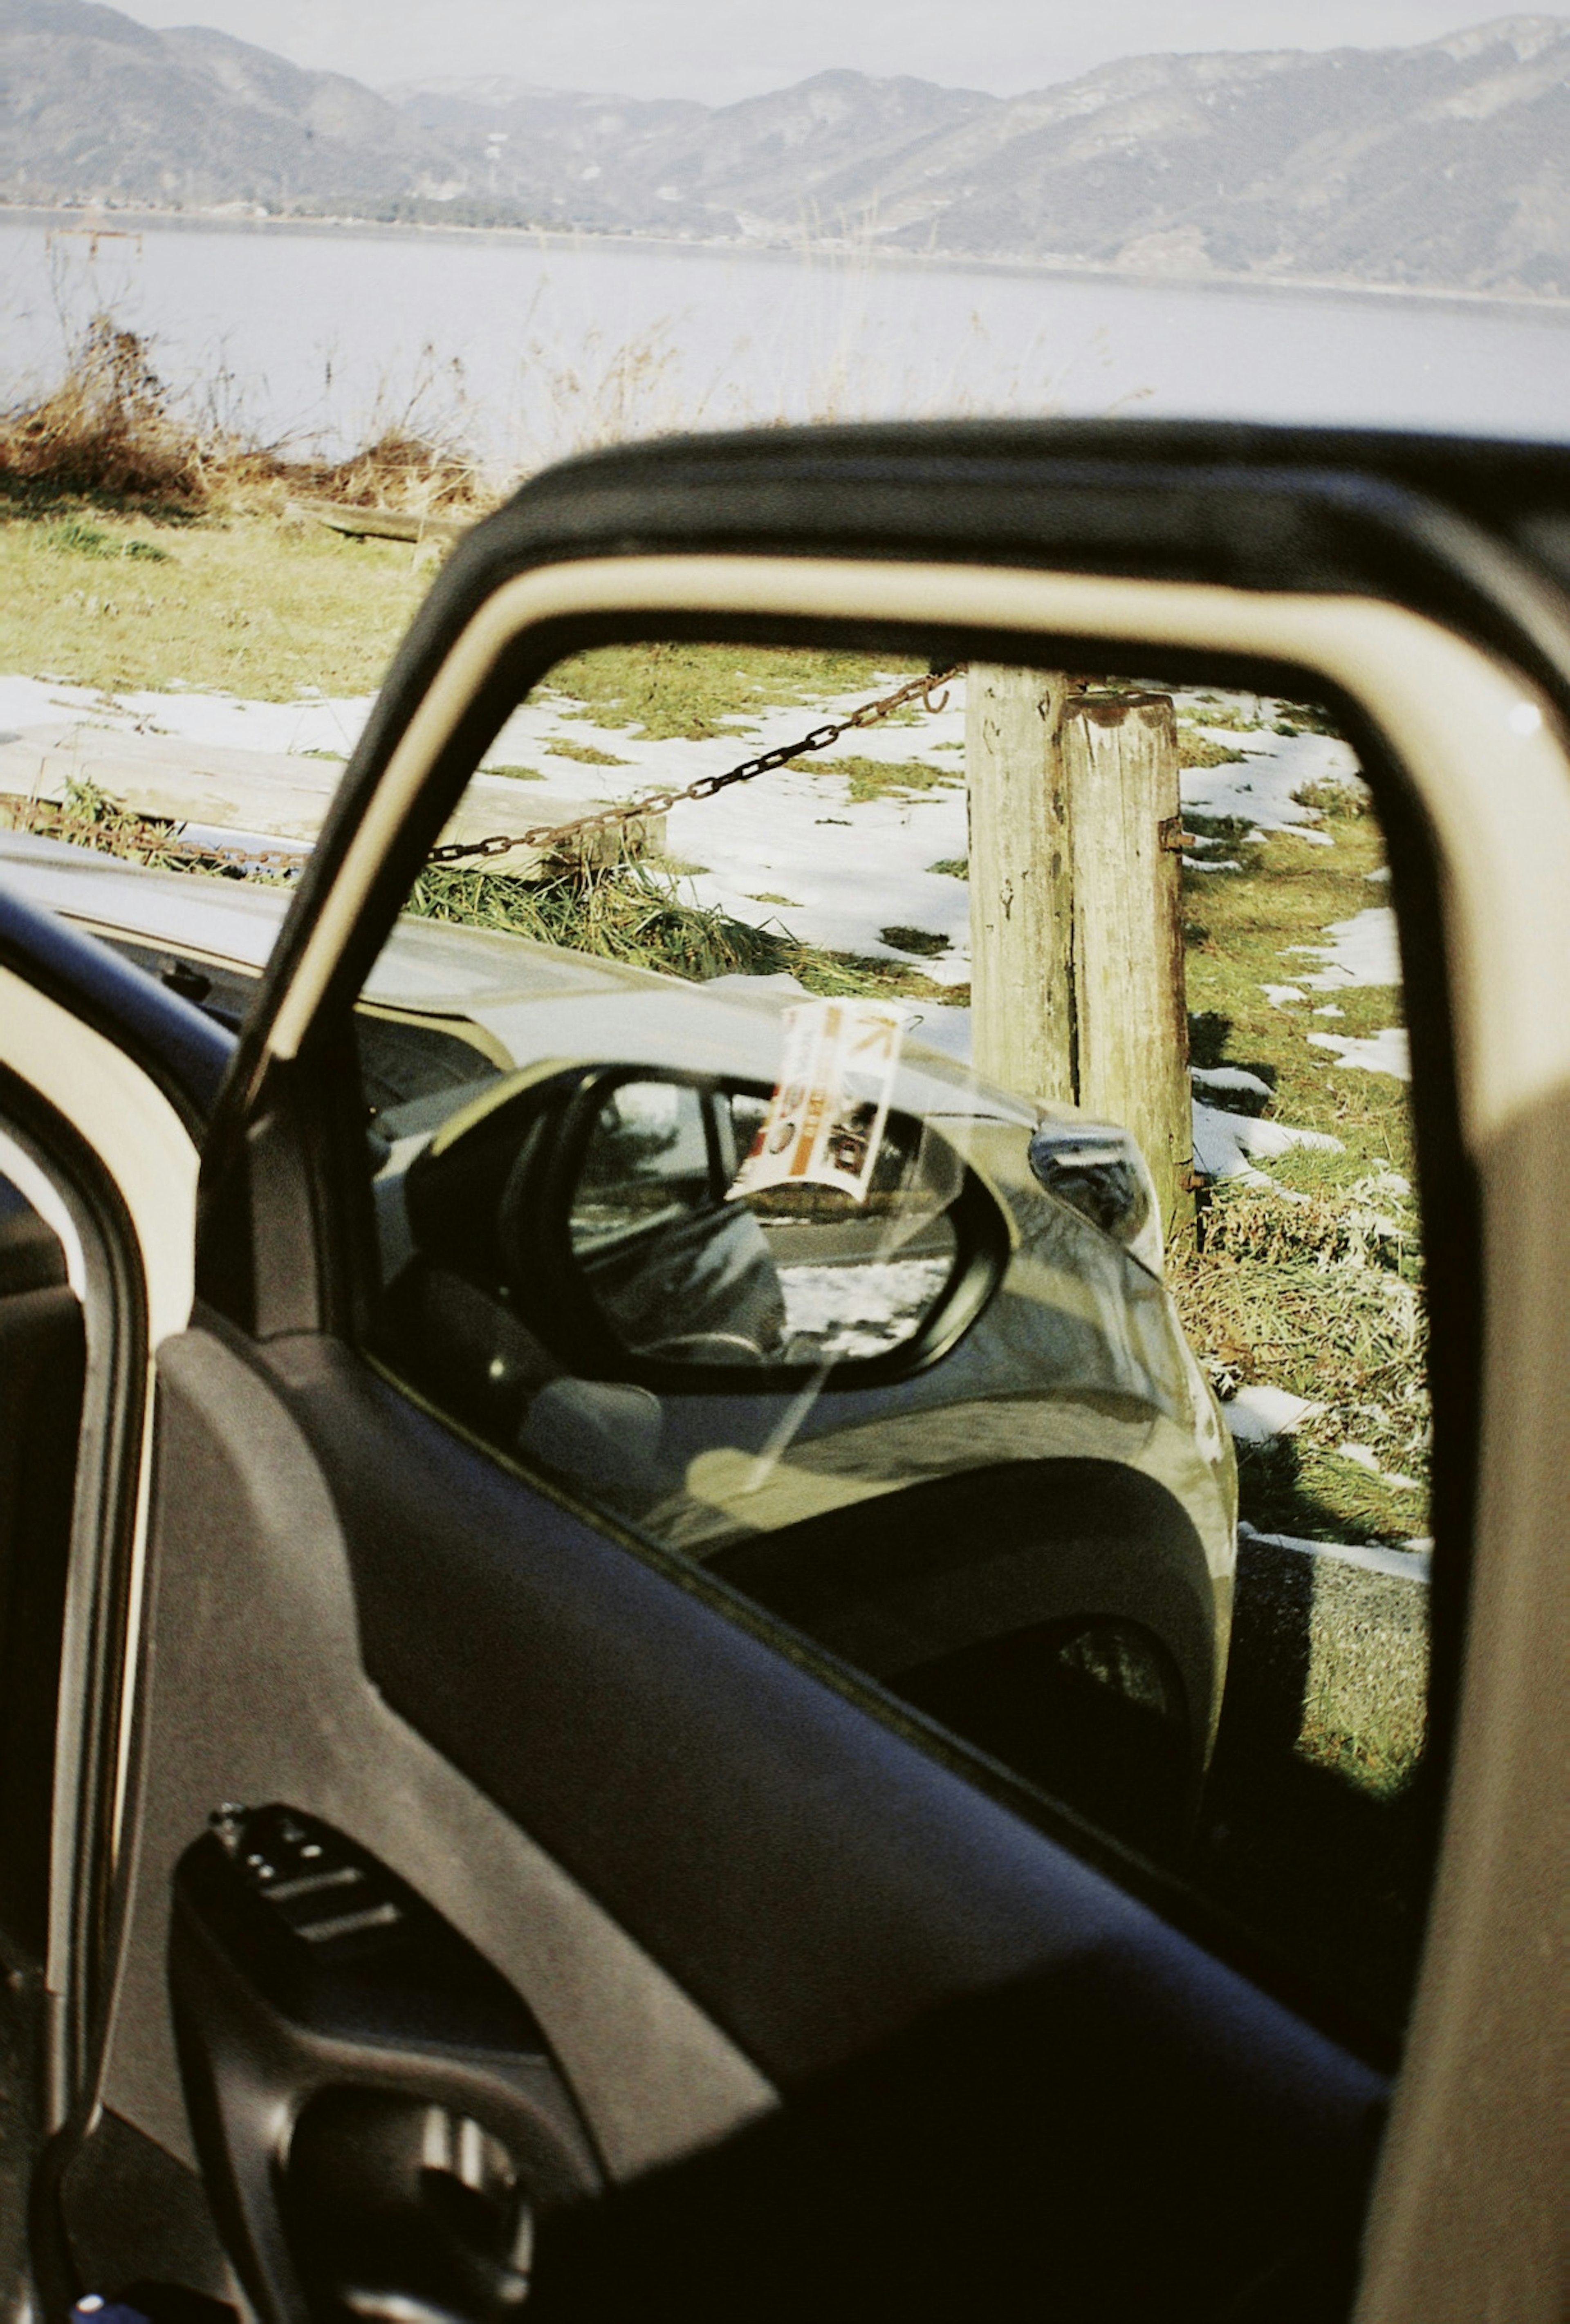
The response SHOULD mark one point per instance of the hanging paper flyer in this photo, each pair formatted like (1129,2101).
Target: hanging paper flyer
(824,1122)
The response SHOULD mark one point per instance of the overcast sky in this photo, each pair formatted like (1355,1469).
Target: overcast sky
(721,50)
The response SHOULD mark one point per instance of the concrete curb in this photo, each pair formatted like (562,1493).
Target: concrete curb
(1403,1564)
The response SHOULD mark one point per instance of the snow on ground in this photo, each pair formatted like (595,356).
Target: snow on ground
(1412,1563)
(1363,1456)
(1385,1052)
(1254,1415)
(314,723)
(1362,950)
(1227,1145)
(1230,1077)
(1261,787)
(790,850)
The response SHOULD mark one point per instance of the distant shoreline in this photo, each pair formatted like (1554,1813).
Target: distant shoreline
(88,219)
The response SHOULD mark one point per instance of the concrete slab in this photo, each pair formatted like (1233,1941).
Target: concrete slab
(279,796)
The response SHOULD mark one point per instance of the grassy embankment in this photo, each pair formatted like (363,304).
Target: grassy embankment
(1313,1284)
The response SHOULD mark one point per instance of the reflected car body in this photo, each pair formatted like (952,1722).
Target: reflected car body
(1063,1471)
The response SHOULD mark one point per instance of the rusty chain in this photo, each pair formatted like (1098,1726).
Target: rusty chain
(557,835)
(127,832)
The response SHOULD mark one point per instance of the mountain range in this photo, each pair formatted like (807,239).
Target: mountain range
(1440,167)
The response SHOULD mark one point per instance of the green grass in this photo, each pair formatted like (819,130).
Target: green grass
(1319,1294)
(953,867)
(871,779)
(673,691)
(926,943)
(639,916)
(243,604)
(585,753)
(75,538)
(1197,749)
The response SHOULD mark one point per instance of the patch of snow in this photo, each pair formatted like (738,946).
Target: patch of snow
(1227,1145)
(737,981)
(1280,995)
(1412,1563)
(313,723)
(763,835)
(870,870)
(1385,1052)
(1329,1009)
(1379,877)
(1365,1457)
(1229,1077)
(1231,864)
(1257,1414)
(1261,786)
(1360,951)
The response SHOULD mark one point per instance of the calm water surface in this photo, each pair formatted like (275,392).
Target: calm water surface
(528,348)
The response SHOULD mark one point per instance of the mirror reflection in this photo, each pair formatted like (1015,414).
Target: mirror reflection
(696,1247)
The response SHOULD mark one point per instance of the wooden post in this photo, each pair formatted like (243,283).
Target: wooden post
(1021,922)
(1120,753)
(1077,986)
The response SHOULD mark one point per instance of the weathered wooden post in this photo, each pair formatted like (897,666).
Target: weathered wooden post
(1077,989)
(1119,755)
(1021,917)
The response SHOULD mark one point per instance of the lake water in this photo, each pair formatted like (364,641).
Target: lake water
(528,348)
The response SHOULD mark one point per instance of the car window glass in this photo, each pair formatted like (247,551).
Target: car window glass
(955,1184)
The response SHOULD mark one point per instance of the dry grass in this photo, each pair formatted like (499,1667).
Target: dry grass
(110,432)
(637,914)
(105,429)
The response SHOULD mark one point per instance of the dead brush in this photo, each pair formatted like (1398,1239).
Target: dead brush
(106,429)
(110,431)
(1320,1295)
(398,471)
(1327,1228)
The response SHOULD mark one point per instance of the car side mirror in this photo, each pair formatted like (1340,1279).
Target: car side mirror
(609,1206)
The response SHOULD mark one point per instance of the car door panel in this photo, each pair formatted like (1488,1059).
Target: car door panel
(255,1690)
(783,1892)
(648,1740)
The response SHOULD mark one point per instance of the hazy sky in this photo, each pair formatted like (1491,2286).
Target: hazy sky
(721,50)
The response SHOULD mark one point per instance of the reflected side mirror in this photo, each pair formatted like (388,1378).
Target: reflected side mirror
(601,1205)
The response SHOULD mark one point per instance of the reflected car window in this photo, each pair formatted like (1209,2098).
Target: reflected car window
(1097,1440)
